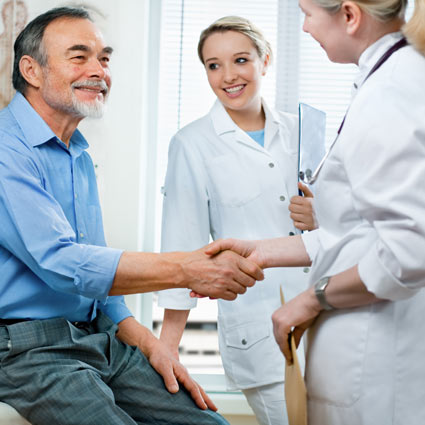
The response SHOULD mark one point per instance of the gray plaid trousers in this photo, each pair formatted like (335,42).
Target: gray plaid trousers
(54,373)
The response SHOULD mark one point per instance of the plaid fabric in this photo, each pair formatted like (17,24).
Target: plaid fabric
(55,373)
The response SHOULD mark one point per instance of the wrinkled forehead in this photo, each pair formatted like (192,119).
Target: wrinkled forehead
(63,33)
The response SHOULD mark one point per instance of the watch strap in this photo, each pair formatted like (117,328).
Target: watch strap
(319,291)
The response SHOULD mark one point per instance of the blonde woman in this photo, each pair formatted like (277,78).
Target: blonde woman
(365,307)
(233,173)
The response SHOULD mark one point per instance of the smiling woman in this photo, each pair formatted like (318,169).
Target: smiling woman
(233,173)
(234,71)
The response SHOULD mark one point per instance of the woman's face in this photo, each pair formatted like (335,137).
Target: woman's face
(234,70)
(327,29)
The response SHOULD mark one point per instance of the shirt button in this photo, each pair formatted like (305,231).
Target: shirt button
(271,165)
(306,269)
(244,341)
(75,196)
(291,233)
(81,235)
(282,198)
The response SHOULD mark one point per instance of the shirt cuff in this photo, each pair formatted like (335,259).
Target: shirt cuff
(95,276)
(379,280)
(176,299)
(115,308)
(311,242)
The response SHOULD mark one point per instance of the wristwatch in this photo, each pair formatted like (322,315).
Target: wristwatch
(319,291)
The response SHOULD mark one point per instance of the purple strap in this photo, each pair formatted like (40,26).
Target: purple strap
(401,43)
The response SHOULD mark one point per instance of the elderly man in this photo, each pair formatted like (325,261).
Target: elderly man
(70,351)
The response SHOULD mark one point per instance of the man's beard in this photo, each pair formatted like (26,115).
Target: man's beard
(75,107)
(93,109)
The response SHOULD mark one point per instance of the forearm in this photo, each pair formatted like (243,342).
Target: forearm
(139,272)
(346,290)
(223,276)
(173,327)
(133,333)
(283,252)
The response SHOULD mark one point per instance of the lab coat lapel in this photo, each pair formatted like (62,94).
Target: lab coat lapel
(271,128)
(228,130)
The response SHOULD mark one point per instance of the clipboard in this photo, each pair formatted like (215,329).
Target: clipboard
(311,139)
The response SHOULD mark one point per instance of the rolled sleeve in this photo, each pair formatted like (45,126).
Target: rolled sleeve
(381,281)
(115,308)
(176,299)
(311,242)
(95,276)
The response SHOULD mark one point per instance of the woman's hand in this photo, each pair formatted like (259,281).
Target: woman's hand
(295,316)
(301,208)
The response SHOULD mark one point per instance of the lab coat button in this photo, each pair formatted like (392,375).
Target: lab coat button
(291,233)
(282,198)
(306,270)
(271,165)
(244,342)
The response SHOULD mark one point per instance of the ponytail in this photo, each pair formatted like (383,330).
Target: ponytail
(414,30)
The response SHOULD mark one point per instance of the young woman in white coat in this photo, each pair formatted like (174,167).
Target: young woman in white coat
(365,307)
(233,173)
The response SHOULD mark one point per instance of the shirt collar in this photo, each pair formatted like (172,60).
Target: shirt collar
(372,54)
(35,129)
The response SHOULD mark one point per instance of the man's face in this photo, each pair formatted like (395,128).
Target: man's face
(76,79)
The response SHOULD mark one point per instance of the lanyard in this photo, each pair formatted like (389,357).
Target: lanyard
(309,178)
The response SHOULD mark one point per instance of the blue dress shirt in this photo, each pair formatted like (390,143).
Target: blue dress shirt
(53,258)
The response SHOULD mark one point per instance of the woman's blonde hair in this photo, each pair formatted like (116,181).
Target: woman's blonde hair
(382,10)
(242,26)
(414,30)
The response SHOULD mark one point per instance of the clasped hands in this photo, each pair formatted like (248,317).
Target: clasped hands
(295,316)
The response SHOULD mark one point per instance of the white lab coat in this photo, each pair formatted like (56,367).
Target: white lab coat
(366,366)
(221,182)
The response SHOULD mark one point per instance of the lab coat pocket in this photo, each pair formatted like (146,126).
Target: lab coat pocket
(336,356)
(233,182)
(249,357)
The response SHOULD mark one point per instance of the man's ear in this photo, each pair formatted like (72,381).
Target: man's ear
(31,71)
(352,15)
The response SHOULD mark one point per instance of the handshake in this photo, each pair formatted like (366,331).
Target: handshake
(223,269)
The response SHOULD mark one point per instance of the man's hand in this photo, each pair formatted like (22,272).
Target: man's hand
(163,361)
(173,372)
(301,208)
(296,316)
(221,274)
